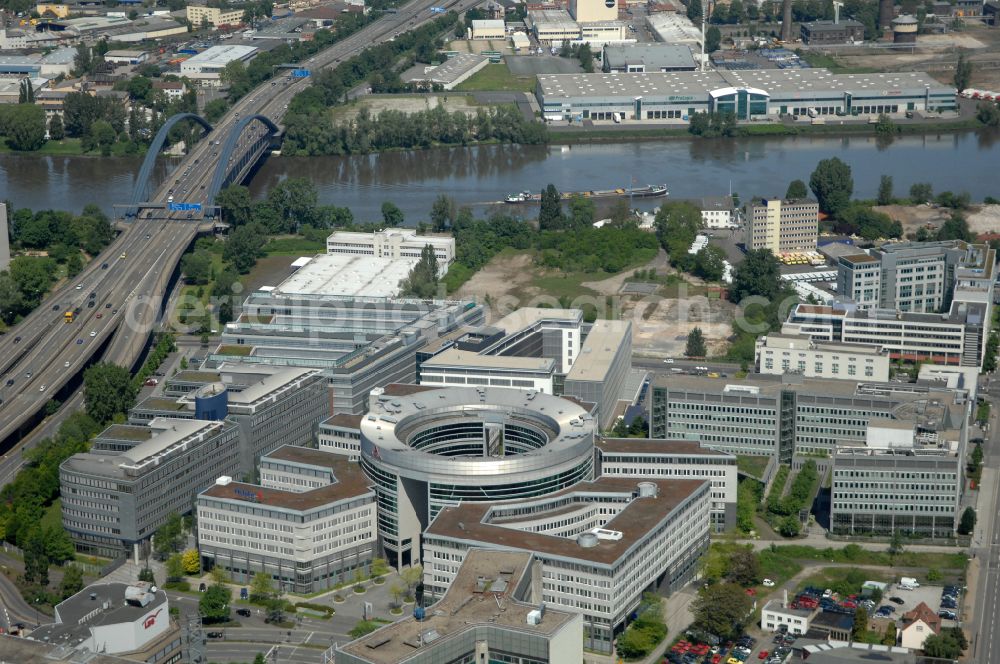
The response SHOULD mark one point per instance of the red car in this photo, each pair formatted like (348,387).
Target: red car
(763,654)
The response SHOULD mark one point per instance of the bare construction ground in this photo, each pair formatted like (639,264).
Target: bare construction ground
(913,217)
(984,219)
(660,321)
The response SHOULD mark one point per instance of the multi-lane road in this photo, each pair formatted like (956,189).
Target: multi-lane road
(118,296)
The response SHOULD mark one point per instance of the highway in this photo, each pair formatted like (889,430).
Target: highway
(984,622)
(118,295)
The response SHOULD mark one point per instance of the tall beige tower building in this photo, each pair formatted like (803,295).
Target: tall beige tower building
(593,11)
(783,226)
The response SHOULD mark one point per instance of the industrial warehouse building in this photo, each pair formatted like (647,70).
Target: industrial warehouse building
(754,94)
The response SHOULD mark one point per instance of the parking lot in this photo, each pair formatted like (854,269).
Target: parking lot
(930,595)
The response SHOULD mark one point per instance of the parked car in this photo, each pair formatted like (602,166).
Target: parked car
(948,615)
(202,587)
(897,600)
(243,612)
(768,583)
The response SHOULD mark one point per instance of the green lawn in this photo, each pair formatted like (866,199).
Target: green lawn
(241,351)
(68,147)
(293,246)
(855,554)
(828,62)
(494,78)
(753,466)
(53,515)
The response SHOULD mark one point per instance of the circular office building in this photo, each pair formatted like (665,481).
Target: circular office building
(440,446)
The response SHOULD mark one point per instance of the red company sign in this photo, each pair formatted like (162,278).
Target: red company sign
(150,619)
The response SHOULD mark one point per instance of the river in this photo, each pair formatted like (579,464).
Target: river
(412,179)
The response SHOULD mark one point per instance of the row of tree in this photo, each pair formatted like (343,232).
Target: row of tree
(308,125)
(423,129)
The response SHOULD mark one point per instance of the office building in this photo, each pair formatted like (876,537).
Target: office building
(393,243)
(113,501)
(359,343)
(764,415)
(832,32)
(635,59)
(125,57)
(601,544)
(427,448)
(674,459)
(341,434)
(199,14)
(957,337)
(272,406)
(783,226)
(492,612)
(778,354)
(207,66)
(907,477)
(549,350)
(920,277)
(131,621)
(310,523)
(750,94)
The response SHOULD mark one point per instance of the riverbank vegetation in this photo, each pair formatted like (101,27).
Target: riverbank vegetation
(47,245)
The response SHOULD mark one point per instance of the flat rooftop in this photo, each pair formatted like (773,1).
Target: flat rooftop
(346,274)
(467,604)
(453,357)
(657,446)
(773,81)
(29,651)
(273,381)
(450,70)
(80,612)
(599,349)
(519,319)
(552,18)
(650,55)
(467,522)
(221,55)
(351,483)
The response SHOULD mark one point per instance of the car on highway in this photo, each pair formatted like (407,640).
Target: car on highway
(55,307)
(99,315)
(108,306)
(214,635)
(17,340)
(122,256)
(104,266)
(10,381)
(93,333)
(27,374)
(66,364)
(79,286)
(41,389)
(79,341)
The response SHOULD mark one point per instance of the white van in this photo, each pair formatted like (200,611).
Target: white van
(908,583)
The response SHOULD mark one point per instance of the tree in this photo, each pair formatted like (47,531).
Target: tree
(796,190)
(146,574)
(955,228)
(175,568)
(885,190)
(694,10)
(214,604)
(948,644)
(82,61)
(963,72)
(36,563)
(758,275)
(889,639)
(363,628)
(677,225)
(260,659)
(921,192)
(243,246)
(411,576)
(197,267)
(713,39)
(168,537)
(261,586)
(442,212)
(860,628)
(26,94)
(397,589)
(832,185)
(102,135)
(192,562)
(695,344)
(988,113)
(896,543)
(58,545)
(236,205)
(72,582)
(422,281)
(550,216)
(25,127)
(710,263)
(215,109)
(56,130)
(581,212)
(108,390)
(722,609)
(884,126)
(744,568)
(968,521)
(33,277)
(789,526)
(220,576)
(391,214)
